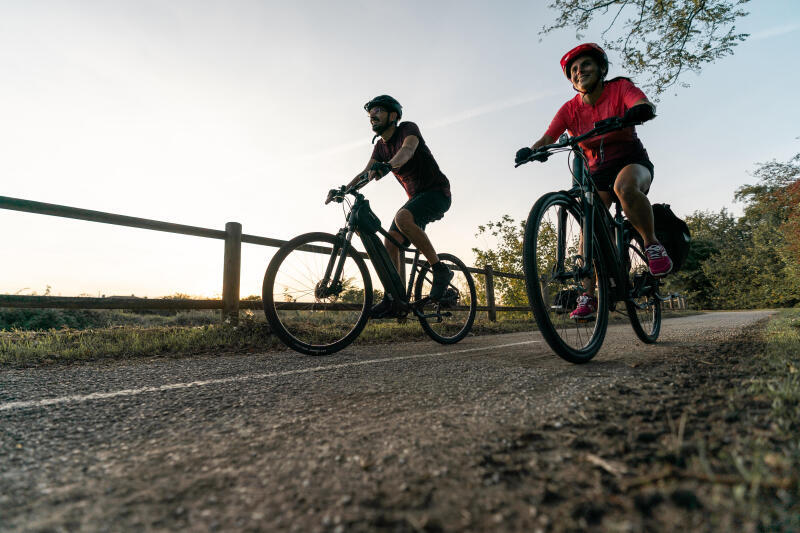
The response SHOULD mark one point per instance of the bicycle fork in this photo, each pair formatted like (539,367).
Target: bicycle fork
(331,283)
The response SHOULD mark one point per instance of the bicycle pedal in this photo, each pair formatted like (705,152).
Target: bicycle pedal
(584,320)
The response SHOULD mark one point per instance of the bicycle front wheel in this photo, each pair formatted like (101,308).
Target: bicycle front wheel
(308,306)
(449,320)
(643,304)
(551,259)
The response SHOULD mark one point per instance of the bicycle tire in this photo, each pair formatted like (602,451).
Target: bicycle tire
(551,297)
(303,320)
(455,314)
(643,304)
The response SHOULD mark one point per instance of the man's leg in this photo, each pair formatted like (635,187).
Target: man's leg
(404,220)
(441,273)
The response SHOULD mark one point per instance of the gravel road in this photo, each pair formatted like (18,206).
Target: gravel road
(387,437)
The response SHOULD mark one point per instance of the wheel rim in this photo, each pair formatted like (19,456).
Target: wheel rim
(308,314)
(455,313)
(559,293)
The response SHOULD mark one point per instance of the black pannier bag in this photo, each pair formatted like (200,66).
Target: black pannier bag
(673,233)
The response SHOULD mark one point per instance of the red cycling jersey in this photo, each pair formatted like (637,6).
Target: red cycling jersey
(605,151)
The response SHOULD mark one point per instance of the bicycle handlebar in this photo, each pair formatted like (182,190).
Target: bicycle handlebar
(337,195)
(600,128)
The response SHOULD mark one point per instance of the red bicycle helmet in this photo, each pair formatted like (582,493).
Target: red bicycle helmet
(584,49)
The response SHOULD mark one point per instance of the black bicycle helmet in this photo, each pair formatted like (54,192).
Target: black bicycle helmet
(387,102)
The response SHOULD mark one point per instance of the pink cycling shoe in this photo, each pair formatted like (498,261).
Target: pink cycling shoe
(657,260)
(587,306)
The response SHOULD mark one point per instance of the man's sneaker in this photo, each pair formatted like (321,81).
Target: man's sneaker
(441,277)
(657,259)
(382,309)
(587,306)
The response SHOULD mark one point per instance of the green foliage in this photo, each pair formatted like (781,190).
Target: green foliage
(753,261)
(504,256)
(660,39)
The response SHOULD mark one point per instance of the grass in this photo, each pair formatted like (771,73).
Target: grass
(768,459)
(31,348)
(780,380)
(198,332)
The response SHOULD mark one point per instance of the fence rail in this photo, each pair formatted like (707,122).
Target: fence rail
(230,304)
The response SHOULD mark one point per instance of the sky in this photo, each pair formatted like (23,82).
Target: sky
(204,112)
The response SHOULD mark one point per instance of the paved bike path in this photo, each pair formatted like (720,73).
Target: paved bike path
(238,440)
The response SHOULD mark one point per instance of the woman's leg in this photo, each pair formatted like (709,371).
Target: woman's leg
(631,187)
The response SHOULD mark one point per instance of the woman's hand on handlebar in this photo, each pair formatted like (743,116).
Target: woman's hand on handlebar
(525,155)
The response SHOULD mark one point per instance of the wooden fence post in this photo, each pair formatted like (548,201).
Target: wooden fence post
(490,293)
(231,272)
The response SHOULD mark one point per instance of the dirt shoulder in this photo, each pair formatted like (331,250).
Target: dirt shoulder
(696,446)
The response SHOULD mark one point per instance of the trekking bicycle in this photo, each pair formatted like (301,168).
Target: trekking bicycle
(559,264)
(318,294)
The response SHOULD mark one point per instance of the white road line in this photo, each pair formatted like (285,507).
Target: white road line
(177,386)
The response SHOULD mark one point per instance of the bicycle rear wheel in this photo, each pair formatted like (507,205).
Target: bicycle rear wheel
(310,315)
(643,304)
(551,262)
(449,320)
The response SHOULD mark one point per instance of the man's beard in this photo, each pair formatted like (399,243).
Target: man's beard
(379,128)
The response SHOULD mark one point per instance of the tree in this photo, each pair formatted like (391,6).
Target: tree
(506,256)
(753,261)
(660,39)
(777,197)
(711,233)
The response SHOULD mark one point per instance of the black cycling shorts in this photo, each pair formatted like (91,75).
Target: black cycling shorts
(604,179)
(427,206)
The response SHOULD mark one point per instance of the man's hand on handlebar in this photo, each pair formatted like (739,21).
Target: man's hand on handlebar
(335,195)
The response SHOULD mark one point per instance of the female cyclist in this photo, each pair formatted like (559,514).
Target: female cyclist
(618,162)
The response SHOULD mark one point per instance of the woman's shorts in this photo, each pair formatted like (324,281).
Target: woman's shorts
(604,179)
(426,207)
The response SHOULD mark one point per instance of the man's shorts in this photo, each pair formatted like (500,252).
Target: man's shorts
(605,178)
(427,206)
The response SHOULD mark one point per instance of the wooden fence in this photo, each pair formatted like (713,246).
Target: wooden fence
(230,304)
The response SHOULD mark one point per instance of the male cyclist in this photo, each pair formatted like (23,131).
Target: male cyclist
(402,150)
(617,161)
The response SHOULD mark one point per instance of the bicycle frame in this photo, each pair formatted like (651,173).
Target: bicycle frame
(363,221)
(611,248)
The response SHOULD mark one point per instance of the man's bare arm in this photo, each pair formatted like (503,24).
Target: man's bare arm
(366,170)
(406,152)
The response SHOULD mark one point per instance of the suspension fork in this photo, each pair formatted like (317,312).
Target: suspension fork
(338,256)
(588,205)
